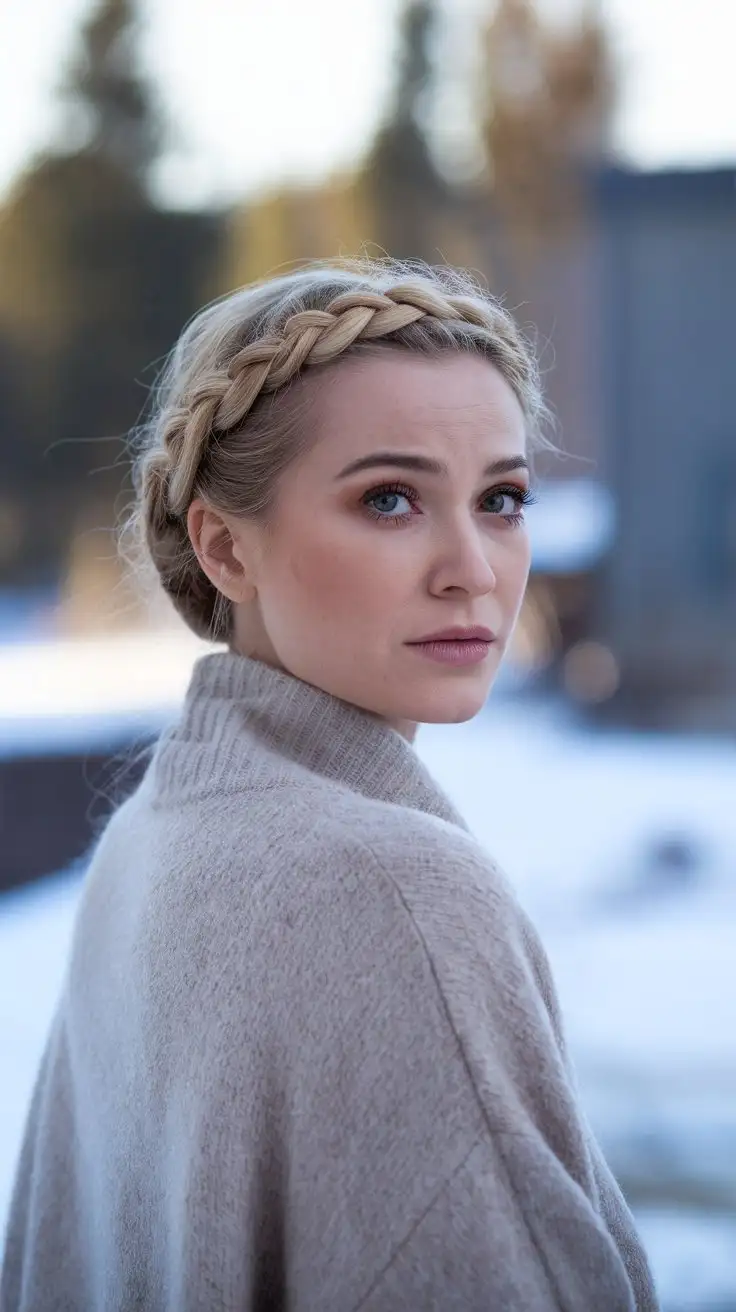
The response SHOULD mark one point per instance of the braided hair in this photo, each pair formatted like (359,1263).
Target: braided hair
(225,424)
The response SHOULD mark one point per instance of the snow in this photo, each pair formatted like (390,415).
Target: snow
(35,932)
(693,1258)
(639,931)
(57,695)
(109,674)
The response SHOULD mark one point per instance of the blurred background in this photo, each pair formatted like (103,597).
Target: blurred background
(581,159)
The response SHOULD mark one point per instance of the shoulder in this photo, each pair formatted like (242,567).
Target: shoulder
(291,879)
(300,846)
(408,891)
(415,861)
(252,861)
(436,871)
(451,903)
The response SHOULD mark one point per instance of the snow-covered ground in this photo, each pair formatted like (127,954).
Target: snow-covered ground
(622,848)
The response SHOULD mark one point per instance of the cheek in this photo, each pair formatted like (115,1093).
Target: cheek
(315,569)
(331,574)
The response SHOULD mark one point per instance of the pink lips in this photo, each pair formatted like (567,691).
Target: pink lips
(456,646)
(475,633)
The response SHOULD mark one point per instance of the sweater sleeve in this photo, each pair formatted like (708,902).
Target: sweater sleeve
(436,1157)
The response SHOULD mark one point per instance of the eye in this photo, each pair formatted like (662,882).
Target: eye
(385,498)
(499,495)
(518,496)
(381,502)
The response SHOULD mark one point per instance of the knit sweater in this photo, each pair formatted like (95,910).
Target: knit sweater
(307,1054)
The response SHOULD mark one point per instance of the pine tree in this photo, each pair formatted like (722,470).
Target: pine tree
(407,190)
(95,282)
(108,98)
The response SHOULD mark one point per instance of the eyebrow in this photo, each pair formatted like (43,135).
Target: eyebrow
(426,464)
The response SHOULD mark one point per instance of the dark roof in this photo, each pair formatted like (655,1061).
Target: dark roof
(619,187)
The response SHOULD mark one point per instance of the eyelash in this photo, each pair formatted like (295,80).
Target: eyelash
(522,496)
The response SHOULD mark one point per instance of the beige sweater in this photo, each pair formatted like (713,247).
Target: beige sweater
(307,1054)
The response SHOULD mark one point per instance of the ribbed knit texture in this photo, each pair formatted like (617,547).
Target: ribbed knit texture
(308,1053)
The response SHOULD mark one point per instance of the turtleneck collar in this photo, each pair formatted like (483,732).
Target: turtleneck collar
(245,725)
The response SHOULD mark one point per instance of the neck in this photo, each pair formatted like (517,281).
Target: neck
(246,724)
(265,653)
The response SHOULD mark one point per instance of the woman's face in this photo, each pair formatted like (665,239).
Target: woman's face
(359,565)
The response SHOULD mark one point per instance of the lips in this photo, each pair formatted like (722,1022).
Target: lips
(478,633)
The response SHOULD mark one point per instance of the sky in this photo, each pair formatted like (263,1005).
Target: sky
(263,90)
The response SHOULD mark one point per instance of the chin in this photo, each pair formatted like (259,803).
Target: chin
(448,706)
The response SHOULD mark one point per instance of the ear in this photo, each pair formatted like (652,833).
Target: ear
(221,547)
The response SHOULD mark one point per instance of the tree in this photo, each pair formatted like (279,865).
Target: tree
(408,192)
(108,99)
(272,231)
(546,107)
(95,282)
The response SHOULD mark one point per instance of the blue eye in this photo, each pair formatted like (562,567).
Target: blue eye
(389,492)
(390,511)
(502,495)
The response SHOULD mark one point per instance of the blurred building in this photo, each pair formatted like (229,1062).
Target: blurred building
(632,599)
(665,599)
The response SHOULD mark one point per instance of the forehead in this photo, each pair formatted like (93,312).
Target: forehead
(415,400)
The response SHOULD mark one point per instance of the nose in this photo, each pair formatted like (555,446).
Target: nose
(463,560)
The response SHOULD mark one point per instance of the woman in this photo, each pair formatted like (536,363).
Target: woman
(308,1053)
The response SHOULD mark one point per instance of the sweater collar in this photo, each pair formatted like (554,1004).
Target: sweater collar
(246,725)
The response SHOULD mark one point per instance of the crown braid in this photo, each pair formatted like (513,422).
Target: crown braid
(222,401)
(210,437)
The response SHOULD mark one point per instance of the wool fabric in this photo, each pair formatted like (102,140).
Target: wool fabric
(307,1054)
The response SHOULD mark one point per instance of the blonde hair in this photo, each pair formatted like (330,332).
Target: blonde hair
(224,425)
